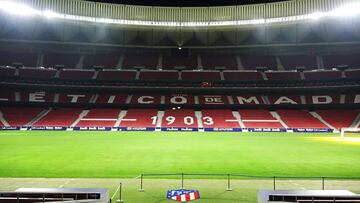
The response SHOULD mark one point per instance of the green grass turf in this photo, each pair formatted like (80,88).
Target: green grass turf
(128,154)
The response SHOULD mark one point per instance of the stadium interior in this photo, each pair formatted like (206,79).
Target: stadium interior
(287,67)
(254,91)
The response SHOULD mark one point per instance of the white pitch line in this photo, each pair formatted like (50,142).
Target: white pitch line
(137,177)
(117,189)
(67,182)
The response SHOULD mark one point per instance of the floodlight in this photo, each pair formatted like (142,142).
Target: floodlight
(24,10)
(51,14)
(316,15)
(258,21)
(18,9)
(105,20)
(347,10)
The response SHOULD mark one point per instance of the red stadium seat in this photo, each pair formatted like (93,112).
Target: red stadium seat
(252,62)
(63,117)
(7,72)
(219,118)
(258,118)
(27,59)
(333,61)
(210,61)
(149,61)
(77,74)
(173,61)
(100,118)
(300,119)
(200,76)
(322,75)
(20,116)
(159,75)
(7,95)
(179,118)
(116,75)
(67,60)
(242,75)
(291,62)
(339,118)
(104,60)
(353,74)
(282,75)
(140,118)
(37,73)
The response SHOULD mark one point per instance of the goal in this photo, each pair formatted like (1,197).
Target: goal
(350,132)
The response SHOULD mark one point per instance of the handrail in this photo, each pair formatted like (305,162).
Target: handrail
(251,176)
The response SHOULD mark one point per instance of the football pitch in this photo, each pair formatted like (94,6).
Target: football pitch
(103,159)
(128,154)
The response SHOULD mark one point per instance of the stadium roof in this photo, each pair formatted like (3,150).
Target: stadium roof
(187,3)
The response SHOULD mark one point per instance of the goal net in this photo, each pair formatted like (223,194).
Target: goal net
(350,133)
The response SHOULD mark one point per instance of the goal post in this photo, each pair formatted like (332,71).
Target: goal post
(352,131)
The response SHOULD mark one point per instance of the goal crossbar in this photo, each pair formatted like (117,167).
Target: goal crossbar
(349,130)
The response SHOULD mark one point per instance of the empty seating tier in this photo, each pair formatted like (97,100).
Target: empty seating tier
(282,75)
(67,60)
(20,116)
(243,76)
(159,75)
(211,61)
(148,61)
(186,62)
(26,59)
(200,76)
(77,74)
(258,118)
(63,117)
(339,118)
(37,73)
(322,75)
(291,62)
(102,60)
(219,118)
(99,118)
(252,62)
(353,74)
(179,118)
(176,118)
(7,72)
(116,75)
(333,61)
(140,118)
(300,119)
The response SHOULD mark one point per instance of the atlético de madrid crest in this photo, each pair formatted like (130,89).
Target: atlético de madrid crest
(183,195)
